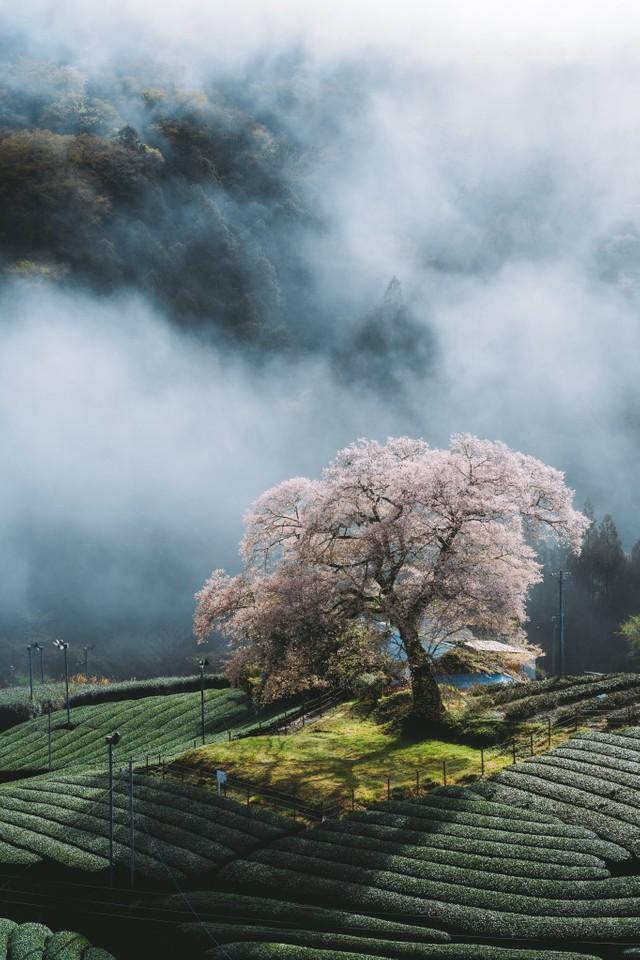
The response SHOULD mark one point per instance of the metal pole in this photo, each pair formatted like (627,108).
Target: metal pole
(561,623)
(49,733)
(66,681)
(202,700)
(562,664)
(132,835)
(110,813)
(29,651)
(482,761)
(444,772)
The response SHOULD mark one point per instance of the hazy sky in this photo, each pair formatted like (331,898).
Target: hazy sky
(484,153)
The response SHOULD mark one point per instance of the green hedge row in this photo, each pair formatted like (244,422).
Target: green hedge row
(33,941)
(553,849)
(571,804)
(66,820)
(536,704)
(220,905)
(457,893)
(373,897)
(455,858)
(448,843)
(281,951)
(151,726)
(501,693)
(568,837)
(16,706)
(561,887)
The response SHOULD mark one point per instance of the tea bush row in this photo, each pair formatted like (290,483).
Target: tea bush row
(16,705)
(151,726)
(34,941)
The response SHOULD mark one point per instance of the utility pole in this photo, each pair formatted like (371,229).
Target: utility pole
(86,660)
(30,651)
(132,832)
(37,646)
(202,663)
(49,732)
(562,665)
(64,646)
(112,740)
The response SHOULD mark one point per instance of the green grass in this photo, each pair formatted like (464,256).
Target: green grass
(34,941)
(154,725)
(340,753)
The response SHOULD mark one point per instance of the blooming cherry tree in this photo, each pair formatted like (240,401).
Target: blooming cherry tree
(396,538)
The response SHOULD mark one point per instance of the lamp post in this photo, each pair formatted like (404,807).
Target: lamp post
(112,740)
(561,574)
(86,660)
(64,646)
(37,646)
(30,651)
(202,663)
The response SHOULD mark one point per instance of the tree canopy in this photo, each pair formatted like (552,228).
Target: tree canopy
(394,539)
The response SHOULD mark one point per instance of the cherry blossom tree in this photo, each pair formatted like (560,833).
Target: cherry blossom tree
(396,539)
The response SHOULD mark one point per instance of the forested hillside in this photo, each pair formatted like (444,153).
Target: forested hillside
(183,195)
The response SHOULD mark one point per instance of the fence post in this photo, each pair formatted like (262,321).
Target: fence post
(531,743)
(444,773)
(575,722)
(353,799)
(388,788)
(513,747)
(229,732)
(549,732)
(482,761)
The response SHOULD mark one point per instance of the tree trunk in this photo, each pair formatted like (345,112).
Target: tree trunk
(427,711)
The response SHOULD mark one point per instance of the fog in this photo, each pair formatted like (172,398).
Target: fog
(483,154)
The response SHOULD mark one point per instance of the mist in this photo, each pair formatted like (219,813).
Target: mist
(486,159)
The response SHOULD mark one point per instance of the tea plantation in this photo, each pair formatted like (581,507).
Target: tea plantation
(563,698)
(542,857)
(151,726)
(34,941)
(180,831)
(531,854)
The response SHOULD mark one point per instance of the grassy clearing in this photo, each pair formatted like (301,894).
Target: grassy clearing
(340,753)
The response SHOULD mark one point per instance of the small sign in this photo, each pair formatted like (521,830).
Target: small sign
(221,777)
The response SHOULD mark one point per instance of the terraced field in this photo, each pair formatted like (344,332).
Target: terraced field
(180,831)
(529,853)
(164,725)
(16,705)
(562,698)
(268,929)
(33,941)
